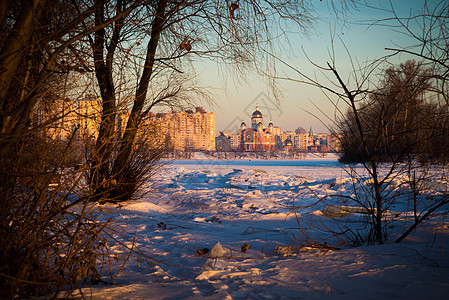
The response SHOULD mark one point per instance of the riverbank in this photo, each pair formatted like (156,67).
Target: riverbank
(255,156)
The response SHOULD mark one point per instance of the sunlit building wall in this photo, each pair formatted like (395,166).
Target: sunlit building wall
(188,130)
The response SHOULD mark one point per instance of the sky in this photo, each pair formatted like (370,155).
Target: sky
(301,105)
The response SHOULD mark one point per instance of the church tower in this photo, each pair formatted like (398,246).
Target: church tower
(256,118)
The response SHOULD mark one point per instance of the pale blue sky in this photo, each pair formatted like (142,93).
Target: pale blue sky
(236,100)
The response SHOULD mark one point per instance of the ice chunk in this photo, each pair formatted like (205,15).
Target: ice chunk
(335,212)
(253,230)
(217,250)
(434,185)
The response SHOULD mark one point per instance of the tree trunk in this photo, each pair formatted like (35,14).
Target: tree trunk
(12,52)
(141,93)
(14,46)
(100,172)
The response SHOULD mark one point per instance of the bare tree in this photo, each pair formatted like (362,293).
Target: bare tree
(131,47)
(393,119)
(163,37)
(45,245)
(429,28)
(403,117)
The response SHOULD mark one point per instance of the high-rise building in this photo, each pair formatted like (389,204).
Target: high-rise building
(88,116)
(188,130)
(63,116)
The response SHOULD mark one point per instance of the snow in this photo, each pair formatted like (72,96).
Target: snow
(228,231)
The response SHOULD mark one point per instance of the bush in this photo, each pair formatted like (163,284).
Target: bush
(145,161)
(46,244)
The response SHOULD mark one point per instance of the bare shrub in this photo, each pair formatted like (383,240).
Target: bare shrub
(53,239)
(144,163)
(384,129)
(44,246)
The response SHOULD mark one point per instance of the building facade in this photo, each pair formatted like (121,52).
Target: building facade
(65,116)
(257,137)
(188,130)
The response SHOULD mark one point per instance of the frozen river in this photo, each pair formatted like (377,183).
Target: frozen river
(259,163)
(248,229)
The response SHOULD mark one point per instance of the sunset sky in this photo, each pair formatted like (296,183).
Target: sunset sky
(236,100)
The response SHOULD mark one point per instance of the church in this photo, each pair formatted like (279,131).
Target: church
(257,137)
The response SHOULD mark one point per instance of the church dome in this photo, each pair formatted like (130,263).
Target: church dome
(257,113)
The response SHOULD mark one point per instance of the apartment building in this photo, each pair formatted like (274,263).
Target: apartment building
(62,117)
(188,130)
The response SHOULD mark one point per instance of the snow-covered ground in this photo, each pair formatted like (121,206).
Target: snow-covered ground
(224,208)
